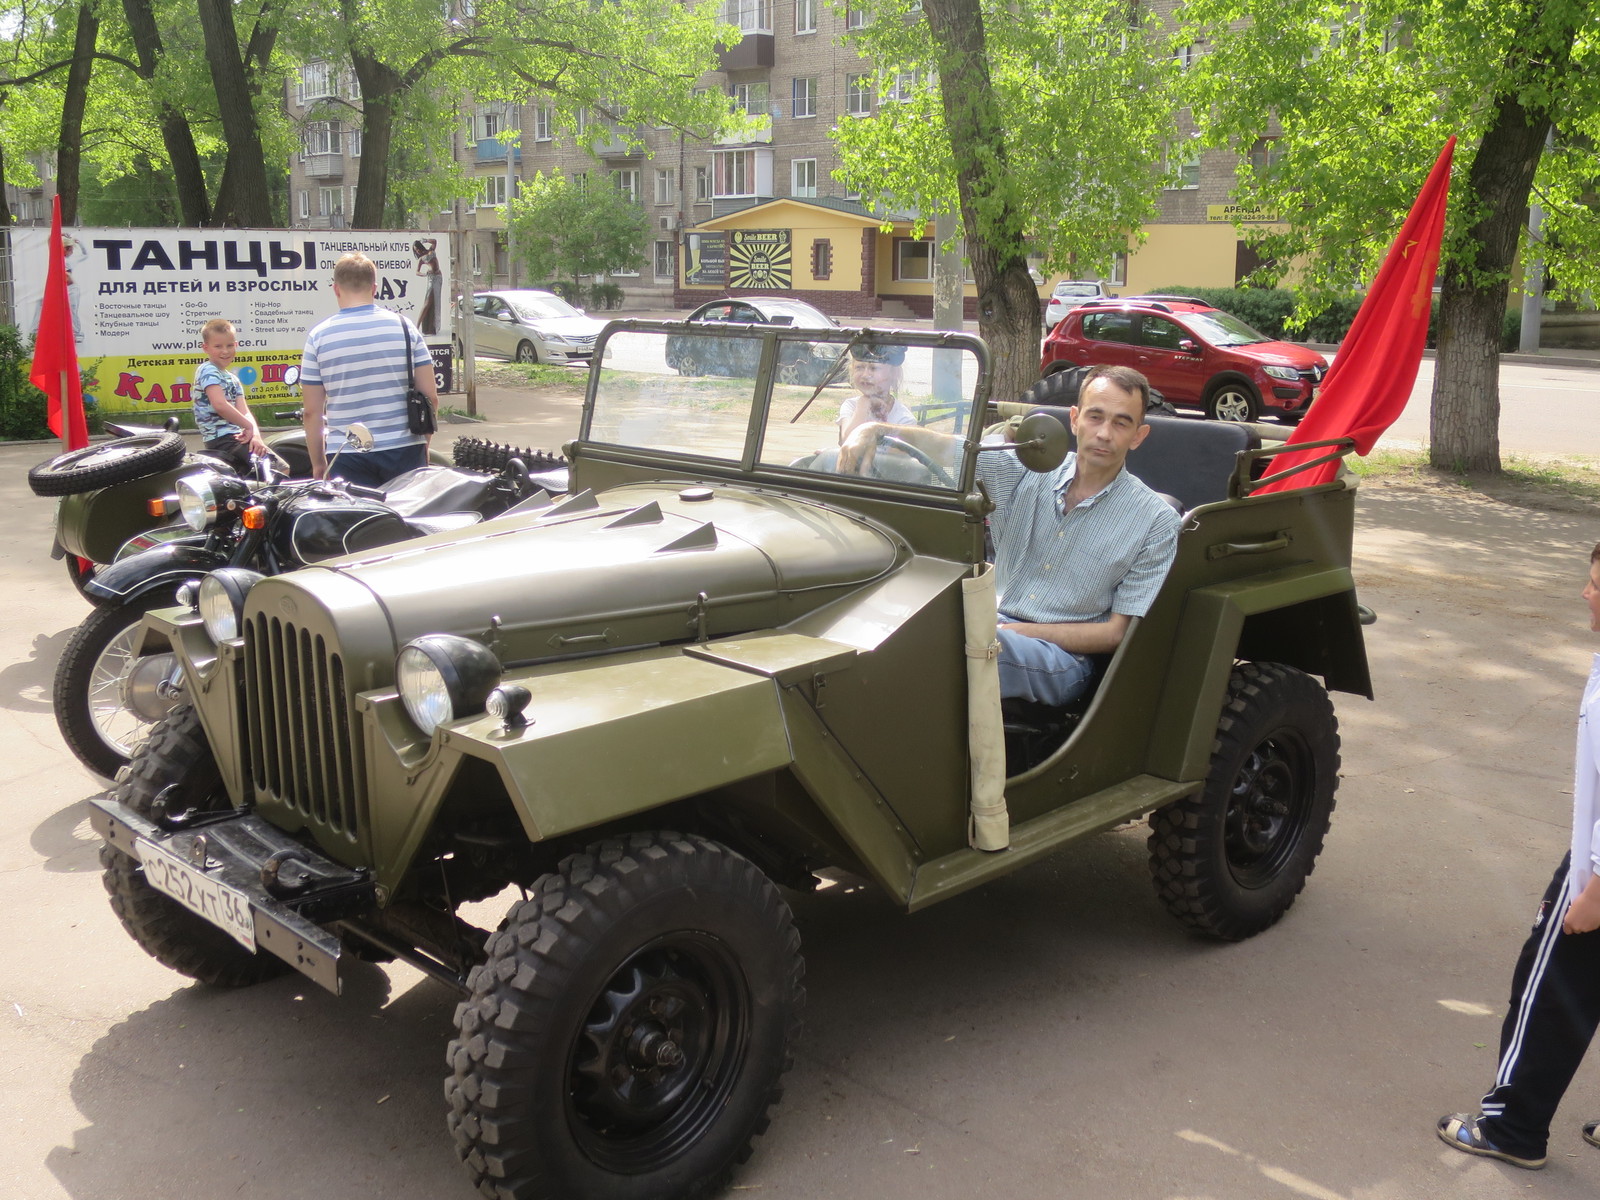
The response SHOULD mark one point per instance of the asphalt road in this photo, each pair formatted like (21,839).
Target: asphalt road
(1052,1035)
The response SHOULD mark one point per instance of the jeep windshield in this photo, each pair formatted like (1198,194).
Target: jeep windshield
(780,400)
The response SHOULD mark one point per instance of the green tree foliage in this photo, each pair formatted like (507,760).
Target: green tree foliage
(563,230)
(1359,101)
(1042,124)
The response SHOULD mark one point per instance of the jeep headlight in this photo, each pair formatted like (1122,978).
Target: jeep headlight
(221,601)
(1282,372)
(201,497)
(441,677)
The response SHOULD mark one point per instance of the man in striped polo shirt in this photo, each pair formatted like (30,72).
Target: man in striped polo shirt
(354,369)
(1079,551)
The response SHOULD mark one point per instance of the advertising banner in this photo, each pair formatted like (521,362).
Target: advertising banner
(705,258)
(140,296)
(760,258)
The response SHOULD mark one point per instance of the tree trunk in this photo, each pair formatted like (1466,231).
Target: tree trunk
(1009,316)
(69,147)
(184,161)
(1465,422)
(380,86)
(246,200)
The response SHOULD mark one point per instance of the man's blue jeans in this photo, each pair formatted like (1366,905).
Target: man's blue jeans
(1031,669)
(374,468)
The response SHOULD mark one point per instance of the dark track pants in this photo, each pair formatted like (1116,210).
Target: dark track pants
(1555,1007)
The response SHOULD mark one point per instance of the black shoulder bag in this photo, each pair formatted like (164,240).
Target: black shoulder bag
(420,417)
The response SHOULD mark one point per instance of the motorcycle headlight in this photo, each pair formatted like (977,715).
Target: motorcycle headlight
(1282,372)
(441,677)
(201,497)
(221,601)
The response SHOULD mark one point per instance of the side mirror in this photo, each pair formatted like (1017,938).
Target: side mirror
(291,376)
(1041,445)
(507,318)
(362,436)
(1188,347)
(170,425)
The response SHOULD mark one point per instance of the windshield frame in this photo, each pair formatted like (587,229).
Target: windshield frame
(749,466)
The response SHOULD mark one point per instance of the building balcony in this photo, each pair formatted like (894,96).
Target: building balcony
(494,150)
(615,146)
(749,137)
(324,166)
(753,50)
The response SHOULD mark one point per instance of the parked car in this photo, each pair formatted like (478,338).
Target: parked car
(531,326)
(1197,356)
(799,362)
(719,666)
(1069,294)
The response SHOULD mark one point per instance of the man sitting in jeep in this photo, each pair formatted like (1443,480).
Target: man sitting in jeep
(1079,551)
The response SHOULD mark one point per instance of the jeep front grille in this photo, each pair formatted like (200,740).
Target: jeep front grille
(297,717)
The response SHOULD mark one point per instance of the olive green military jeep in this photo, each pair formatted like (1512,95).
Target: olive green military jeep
(716,668)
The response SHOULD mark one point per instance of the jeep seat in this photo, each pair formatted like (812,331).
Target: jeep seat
(1187,459)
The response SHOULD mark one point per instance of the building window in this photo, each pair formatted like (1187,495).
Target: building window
(855,15)
(580,182)
(316,82)
(320,137)
(805,16)
(821,259)
(804,177)
(666,185)
(305,205)
(581,120)
(627,184)
(904,86)
(664,262)
(353,142)
(805,97)
(1182,166)
(1119,268)
(491,190)
(1186,55)
(477,259)
(702,183)
(543,119)
(858,95)
(913,260)
(1264,156)
(750,97)
(751,16)
(330,202)
(733,173)
(490,122)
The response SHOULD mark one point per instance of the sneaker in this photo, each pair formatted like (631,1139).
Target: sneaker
(1591,1133)
(1461,1132)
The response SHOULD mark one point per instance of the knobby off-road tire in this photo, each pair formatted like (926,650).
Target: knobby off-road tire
(627,1035)
(95,668)
(1060,389)
(1229,861)
(176,752)
(109,463)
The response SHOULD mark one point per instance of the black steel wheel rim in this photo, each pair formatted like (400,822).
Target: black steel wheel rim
(657,1055)
(1268,808)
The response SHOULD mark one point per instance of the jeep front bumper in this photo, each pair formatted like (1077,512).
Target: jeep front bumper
(246,877)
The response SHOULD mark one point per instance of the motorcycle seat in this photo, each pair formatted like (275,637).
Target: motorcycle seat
(436,492)
(443,522)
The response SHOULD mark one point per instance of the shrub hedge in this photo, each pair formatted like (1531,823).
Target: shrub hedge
(22,415)
(1269,309)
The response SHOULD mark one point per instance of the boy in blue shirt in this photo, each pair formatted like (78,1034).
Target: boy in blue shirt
(226,424)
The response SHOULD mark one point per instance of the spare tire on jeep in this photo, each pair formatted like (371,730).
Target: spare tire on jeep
(95,467)
(1060,389)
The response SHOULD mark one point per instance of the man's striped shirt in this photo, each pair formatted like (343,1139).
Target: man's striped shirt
(1109,554)
(358,356)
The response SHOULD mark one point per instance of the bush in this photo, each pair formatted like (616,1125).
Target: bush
(605,295)
(22,406)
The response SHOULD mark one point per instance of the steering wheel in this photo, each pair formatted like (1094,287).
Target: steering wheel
(928,463)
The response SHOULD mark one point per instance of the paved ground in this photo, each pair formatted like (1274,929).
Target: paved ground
(1053,1035)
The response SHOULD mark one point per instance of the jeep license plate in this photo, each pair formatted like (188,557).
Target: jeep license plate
(223,906)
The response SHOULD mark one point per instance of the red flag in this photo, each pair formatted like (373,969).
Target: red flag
(55,351)
(1371,379)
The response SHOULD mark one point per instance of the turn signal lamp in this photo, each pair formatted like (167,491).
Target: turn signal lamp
(254,517)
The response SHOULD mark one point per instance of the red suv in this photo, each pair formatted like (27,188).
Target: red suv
(1197,356)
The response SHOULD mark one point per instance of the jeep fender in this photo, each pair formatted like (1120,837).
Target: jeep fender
(606,739)
(1239,619)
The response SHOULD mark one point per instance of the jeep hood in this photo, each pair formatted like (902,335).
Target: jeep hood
(635,565)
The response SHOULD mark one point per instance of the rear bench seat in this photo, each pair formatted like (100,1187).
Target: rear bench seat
(1191,460)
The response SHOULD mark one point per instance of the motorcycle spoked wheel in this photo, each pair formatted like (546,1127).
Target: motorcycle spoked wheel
(106,699)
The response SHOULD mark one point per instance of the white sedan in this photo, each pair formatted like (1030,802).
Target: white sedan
(531,326)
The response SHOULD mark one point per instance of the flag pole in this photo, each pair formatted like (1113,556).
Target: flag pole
(66,425)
